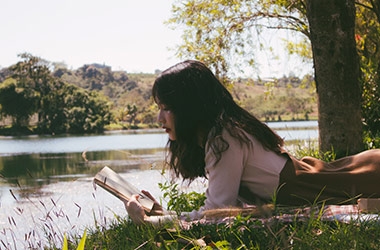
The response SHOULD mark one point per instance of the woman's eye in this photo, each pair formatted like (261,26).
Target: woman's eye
(164,108)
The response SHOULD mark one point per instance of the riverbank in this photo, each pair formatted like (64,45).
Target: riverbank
(46,183)
(116,127)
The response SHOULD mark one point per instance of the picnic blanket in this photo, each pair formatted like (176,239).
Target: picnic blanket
(348,214)
(342,213)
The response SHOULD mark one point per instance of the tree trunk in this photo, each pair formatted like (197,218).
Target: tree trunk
(336,65)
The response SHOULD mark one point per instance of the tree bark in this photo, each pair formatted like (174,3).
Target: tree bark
(336,65)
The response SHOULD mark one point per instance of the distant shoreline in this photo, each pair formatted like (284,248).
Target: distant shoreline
(114,128)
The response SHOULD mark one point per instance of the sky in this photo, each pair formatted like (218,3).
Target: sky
(124,34)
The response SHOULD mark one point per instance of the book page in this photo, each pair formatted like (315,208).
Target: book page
(121,188)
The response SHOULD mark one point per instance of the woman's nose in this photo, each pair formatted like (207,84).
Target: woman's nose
(160,117)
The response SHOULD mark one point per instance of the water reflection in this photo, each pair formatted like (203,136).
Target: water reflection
(72,144)
(293,125)
(31,171)
(40,160)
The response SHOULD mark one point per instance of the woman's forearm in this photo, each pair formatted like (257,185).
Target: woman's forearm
(160,219)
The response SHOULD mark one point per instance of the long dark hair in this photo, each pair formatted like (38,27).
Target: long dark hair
(202,108)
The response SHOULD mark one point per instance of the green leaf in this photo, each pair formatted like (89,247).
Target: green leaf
(82,241)
(65,246)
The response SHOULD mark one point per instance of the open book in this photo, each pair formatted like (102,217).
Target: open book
(121,188)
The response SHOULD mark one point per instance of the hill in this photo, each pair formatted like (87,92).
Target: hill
(287,98)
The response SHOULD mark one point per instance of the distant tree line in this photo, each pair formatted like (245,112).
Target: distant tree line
(130,94)
(40,97)
(29,89)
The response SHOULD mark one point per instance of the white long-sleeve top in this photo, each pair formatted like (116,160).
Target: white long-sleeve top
(249,165)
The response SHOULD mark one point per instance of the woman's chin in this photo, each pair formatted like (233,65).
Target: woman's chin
(172,138)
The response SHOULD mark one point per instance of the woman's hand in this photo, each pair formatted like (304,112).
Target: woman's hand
(137,213)
(157,208)
(135,210)
(157,215)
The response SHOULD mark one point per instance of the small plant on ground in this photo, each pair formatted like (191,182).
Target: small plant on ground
(179,201)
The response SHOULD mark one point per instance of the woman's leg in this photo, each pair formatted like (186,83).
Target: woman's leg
(310,180)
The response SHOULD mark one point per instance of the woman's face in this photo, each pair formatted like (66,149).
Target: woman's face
(166,118)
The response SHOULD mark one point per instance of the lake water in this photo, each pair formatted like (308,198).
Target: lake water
(46,187)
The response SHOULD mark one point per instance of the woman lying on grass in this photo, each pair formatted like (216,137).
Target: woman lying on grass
(211,136)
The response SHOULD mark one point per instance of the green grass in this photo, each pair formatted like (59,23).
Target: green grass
(268,232)
(242,233)
(284,228)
